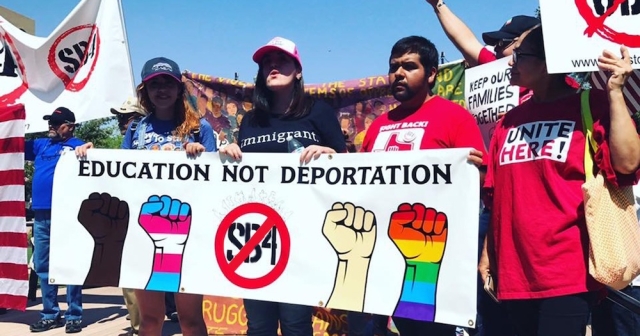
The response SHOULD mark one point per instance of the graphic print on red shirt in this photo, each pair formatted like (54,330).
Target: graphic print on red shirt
(438,123)
(400,137)
(539,140)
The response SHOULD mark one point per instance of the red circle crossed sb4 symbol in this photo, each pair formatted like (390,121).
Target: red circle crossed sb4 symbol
(90,53)
(273,223)
(595,24)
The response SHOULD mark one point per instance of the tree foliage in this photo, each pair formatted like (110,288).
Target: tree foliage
(103,133)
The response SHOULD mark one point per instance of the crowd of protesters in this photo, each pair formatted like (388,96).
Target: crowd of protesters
(533,242)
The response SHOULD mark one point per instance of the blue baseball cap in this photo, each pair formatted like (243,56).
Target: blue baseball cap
(161,66)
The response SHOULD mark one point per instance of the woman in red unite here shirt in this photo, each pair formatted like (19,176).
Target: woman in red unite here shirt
(538,242)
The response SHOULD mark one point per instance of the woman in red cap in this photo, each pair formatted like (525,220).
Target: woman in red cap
(284,120)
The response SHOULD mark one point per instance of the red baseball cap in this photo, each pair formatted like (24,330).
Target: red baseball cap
(278,44)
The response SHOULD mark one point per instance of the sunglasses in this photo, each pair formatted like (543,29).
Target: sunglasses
(56,124)
(505,43)
(123,117)
(518,54)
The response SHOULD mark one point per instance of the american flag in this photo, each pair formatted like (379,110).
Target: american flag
(14,284)
(631,90)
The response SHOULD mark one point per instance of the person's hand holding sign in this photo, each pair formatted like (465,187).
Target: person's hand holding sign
(232,150)
(619,68)
(106,219)
(420,234)
(194,148)
(351,231)
(623,139)
(167,221)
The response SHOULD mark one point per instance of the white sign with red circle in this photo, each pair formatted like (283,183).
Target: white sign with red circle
(75,67)
(577,32)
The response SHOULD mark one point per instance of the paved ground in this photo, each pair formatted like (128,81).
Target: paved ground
(104,315)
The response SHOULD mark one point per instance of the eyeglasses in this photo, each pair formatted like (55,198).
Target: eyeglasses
(518,54)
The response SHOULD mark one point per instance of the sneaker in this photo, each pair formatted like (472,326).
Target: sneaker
(45,324)
(174,317)
(73,326)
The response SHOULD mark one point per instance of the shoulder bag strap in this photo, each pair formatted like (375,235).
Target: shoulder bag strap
(590,145)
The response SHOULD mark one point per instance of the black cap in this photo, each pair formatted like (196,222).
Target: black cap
(61,115)
(510,30)
(161,66)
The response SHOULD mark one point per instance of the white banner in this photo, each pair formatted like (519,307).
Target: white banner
(400,227)
(83,65)
(488,93)
(576,32)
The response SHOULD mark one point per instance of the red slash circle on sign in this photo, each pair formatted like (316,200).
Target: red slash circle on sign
(230,268)
(596,24)
(89,51)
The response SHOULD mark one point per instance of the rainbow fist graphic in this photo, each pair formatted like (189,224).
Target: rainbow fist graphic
(420,233)
(167,221)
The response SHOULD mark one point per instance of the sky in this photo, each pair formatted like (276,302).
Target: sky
(337,40)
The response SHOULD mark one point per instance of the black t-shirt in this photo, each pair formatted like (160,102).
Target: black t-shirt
(319,127)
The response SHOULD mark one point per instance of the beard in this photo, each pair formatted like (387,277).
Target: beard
(404,95)
(408,93)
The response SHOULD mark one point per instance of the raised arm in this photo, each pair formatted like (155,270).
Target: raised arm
(458,32)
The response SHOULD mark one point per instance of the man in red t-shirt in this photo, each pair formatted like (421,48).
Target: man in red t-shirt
(421,121)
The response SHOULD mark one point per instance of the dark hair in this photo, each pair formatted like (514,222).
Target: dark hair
(263,99)
(419,45)
(535,40)
(187,118)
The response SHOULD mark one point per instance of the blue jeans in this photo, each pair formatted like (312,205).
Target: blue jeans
(492,319)
(263,317)
(169,304)
(51,309)
(609,319)
(360,324)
